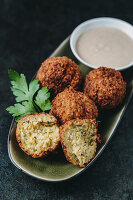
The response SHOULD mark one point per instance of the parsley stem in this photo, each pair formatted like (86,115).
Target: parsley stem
(36,107)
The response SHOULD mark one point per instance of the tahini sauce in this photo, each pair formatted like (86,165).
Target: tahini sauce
(108,47)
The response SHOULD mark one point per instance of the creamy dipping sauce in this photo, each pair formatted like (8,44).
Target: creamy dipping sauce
(108,47)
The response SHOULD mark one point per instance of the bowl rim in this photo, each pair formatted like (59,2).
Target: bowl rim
(99,19)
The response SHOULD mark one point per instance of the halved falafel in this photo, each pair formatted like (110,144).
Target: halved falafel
(79,141)
(105,86)
(71,104)
(57,73)
(38,134)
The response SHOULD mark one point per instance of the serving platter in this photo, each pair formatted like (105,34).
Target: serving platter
(55,167)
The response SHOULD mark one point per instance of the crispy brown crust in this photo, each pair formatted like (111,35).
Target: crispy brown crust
(62,131)
(105,86)
(71,104)
(57,73)
(44,153)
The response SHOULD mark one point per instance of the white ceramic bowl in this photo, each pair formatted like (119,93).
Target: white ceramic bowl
(99,22)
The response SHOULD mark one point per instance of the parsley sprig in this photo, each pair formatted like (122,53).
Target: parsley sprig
(30,99)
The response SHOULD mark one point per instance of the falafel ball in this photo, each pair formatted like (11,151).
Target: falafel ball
(71,104)
(79,141)
(57,73)
(105,86)
(38,134)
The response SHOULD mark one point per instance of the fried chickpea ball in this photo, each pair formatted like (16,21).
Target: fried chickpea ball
(79,141)
(71,104)
(57,73)
(38,134)
(105,86)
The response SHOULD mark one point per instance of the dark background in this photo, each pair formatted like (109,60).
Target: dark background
(30,30)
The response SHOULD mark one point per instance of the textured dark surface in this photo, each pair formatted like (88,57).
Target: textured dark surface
(29,31)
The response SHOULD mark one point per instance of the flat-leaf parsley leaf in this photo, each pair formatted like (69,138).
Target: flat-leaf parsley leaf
(20,88)
(42,99)
(25,95)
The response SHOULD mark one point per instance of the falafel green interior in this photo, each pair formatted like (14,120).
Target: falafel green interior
(80,142)
(38,133)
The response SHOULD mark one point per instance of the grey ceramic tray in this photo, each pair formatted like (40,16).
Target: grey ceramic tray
(55,167)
